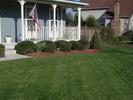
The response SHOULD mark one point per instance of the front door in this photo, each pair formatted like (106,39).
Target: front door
(51,24)
(30,25)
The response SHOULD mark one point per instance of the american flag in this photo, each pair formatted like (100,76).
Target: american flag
(34,16)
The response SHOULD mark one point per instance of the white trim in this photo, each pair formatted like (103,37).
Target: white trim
(52,33)
(22,2)
(61,17)
(72,2)
(54,20)
(60,2)
(61,22)
(79,22)
(57,12)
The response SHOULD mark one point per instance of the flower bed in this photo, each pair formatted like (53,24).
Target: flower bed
(59,53)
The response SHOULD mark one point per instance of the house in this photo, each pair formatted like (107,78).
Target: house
(117,14)
(16,22)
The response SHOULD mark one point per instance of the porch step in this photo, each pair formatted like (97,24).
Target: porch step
(9,46)
(10,52)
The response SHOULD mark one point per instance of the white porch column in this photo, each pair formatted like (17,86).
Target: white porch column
(54,20)
(61,24)
(79,22)
(22,2)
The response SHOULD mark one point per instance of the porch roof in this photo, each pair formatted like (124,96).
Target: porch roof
(66,3)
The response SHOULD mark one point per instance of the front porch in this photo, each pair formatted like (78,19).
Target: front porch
(15,20)
(63,33)
(55,28)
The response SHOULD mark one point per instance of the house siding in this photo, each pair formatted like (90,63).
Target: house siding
(96,13)
(11,21)
(124,25)
(131,23)
(108,22)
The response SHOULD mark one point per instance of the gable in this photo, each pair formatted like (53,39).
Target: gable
(126,6)
(96,13)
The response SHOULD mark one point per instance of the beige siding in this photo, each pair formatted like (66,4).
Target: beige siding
(131,23)
(96,13)
(124,25)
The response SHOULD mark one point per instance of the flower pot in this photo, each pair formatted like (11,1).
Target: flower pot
(8,39)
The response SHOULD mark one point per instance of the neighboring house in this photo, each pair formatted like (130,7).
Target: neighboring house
(15,20)
(106,11)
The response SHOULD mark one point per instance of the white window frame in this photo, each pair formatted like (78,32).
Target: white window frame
(51,20)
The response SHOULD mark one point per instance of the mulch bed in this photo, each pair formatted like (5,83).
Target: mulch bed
(130,44)
(59,53)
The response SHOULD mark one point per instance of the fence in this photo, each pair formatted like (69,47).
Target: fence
(88,32)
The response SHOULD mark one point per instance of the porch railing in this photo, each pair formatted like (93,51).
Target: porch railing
(46,33)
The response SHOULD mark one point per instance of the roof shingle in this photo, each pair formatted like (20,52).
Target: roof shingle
(126,6)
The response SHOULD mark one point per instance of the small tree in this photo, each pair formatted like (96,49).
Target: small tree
(91,22)
(96,42)
(107,34)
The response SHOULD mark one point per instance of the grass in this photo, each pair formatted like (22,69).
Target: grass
(103,76)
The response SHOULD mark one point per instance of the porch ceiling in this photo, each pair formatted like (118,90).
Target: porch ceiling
(66,3)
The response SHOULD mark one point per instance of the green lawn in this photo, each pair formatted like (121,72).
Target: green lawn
(102,76)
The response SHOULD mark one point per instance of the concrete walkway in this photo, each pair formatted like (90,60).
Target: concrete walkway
(10,53)
(13,57)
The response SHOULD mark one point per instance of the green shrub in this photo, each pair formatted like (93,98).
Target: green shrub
(132,40)
(76,45)
(125,38)
(128,35)
(107,34)
(63,45)
(40,46)
(2,50)
(96,42)
(46,46)
(120,40)
(85,42)
(116,41)
(25,47)
(91,22)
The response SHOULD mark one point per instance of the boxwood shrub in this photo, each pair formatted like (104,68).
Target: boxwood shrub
(96,42)
(63,45)
(46,46)
(76,45)
(128,35)
(25,47)
(40,46)
(2,50)
(85,42)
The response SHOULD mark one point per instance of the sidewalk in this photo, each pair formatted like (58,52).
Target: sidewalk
(13,57)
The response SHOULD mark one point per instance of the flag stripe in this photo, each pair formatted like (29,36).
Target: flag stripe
(34,16)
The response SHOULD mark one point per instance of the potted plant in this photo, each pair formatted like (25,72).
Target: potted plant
(8,39)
